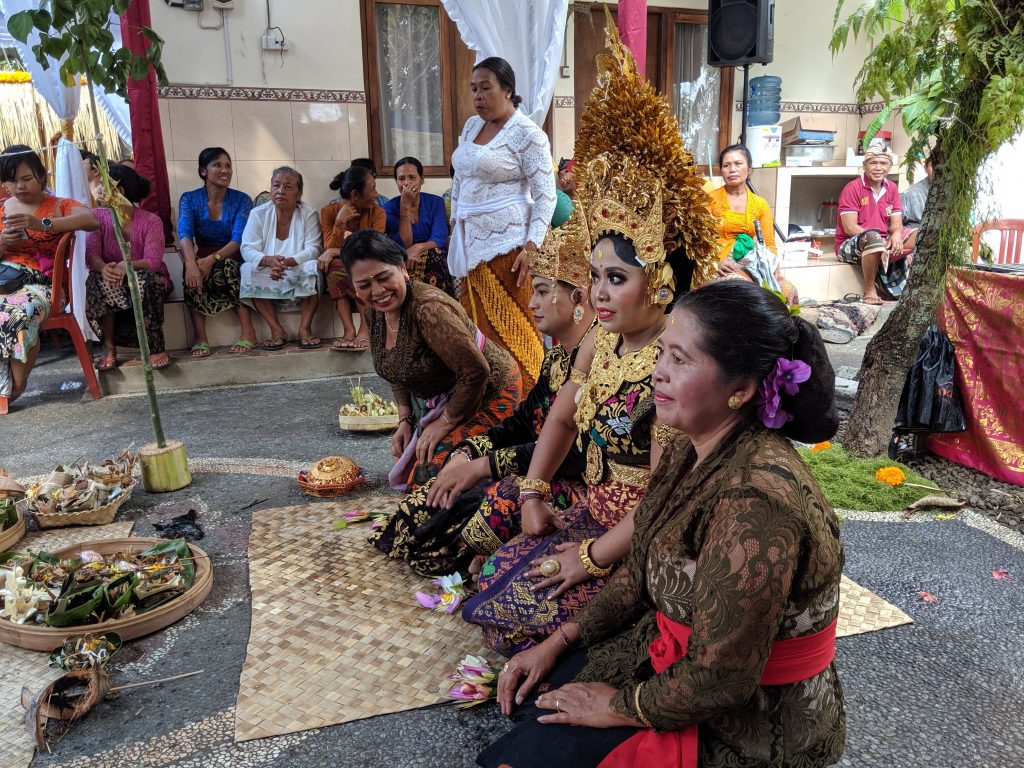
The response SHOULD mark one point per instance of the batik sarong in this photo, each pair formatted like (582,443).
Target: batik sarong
(102,299)
(221,288)
(22,314)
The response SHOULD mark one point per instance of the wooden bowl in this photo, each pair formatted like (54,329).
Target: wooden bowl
(12,535)
(43,638)
(368,423)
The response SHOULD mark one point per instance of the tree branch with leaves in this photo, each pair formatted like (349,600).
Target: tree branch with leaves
(953,69)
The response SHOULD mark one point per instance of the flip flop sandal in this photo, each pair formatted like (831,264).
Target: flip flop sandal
(106,362)
(360,345)
(245,344)
(202,349)
(165,363)
(342,345)
(310,342)
(275,342)
(872,301)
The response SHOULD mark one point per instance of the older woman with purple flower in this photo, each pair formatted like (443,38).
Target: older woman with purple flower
(717,638)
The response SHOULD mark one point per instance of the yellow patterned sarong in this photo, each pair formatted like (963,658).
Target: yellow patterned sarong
(500,310)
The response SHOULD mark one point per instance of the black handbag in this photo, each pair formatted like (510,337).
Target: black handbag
(12,278)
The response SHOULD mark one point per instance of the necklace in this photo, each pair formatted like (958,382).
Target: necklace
(388,324)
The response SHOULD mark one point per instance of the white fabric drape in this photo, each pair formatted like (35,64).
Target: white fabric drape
(528,34)
(114,105)
(69,174)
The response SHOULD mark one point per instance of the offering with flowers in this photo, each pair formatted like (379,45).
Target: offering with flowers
(43,589)
(72,494)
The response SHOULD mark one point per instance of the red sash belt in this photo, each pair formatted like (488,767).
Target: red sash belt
(790,661)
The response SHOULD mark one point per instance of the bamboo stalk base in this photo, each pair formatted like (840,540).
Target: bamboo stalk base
(164,469)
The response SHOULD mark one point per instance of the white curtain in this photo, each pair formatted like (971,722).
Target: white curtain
(114,105)
(69,174)
(528,34)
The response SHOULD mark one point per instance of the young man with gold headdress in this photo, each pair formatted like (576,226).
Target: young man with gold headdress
(480,471)
(643,204)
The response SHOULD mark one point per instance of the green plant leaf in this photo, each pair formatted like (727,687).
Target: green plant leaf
(20,25)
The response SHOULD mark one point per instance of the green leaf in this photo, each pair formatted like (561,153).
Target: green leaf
(20,25)
(339,525)
(180,548)
(42,20)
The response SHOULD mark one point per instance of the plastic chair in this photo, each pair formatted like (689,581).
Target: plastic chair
(62,296)
(1011,240)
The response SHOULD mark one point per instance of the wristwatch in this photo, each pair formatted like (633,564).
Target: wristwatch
(218,256)
(47,224)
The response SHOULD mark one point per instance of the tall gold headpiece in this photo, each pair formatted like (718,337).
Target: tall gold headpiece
(635,177)
(565,254)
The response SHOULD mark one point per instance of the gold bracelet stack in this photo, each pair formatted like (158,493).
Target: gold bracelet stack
(592,568)
(535,487)
(636,706)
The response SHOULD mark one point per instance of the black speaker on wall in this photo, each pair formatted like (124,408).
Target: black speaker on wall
(740,32)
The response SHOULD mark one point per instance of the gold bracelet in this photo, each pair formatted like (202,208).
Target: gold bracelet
(592,568)
(535,484)
(636,706)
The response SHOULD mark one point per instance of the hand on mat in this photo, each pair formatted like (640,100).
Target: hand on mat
(524,671)
(430,437)
(400,439)
(459,475)
(570,572)
(538,519)
(582,704)
(521,266)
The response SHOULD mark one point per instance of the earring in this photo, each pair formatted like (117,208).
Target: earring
(577,314)
(735,402)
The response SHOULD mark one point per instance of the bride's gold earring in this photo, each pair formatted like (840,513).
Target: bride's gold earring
(735,402)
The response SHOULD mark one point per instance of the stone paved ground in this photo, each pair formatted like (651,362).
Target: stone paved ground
(944,691)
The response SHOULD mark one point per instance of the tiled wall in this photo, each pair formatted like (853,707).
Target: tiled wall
(317,138)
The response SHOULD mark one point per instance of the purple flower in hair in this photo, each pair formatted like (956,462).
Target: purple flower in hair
(788,375)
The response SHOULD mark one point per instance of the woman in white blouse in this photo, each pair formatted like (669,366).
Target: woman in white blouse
(503,196)
(280,247)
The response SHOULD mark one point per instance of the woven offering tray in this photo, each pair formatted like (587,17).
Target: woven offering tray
(44,638)
(330,477)
(99,516)
(368,423)
(12,535)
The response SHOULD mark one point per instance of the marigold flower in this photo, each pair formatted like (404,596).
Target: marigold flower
(890,476)
(819,447)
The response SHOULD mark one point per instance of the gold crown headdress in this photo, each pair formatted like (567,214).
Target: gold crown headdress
(565,254)
(636,179)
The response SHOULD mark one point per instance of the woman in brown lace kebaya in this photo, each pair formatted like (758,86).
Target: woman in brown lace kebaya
(449,381)
(714,646)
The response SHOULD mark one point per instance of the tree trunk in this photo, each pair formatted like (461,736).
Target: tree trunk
(891,352)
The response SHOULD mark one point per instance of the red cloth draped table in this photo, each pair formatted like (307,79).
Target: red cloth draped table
(983,316)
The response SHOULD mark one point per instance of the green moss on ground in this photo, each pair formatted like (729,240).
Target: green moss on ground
(850,483)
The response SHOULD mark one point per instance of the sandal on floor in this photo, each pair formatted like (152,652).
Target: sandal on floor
(360,345)
(310,342)
(107,361)
(274,342)
(342,345)
(202,349)
(241,345)
(873,301)
(163,358)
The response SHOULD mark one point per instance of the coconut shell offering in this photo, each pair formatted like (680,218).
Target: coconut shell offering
(42,589)
(83,488)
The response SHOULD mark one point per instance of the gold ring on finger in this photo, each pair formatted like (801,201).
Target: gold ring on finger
(550,567)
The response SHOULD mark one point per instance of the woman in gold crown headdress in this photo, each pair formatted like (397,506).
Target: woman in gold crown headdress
(481,470)
(647,217)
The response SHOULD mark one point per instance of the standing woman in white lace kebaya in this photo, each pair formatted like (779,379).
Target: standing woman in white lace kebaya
(503,196)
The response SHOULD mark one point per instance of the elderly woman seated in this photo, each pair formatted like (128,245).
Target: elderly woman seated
(450,382)
(280,247)
(108,302)
(722,624)
(31,228)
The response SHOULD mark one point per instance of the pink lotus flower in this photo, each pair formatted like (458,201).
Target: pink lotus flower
(451,593)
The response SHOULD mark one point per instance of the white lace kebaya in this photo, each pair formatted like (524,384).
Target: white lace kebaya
(503,194)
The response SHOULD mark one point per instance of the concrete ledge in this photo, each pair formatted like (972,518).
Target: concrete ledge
(223,369)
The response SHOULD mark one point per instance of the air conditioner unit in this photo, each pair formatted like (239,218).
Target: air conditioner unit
(222,5)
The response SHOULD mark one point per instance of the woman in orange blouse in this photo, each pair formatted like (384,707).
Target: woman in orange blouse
(355,210)
(737,208)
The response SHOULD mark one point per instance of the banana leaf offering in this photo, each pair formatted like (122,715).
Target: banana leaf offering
(40,588)
(10,492)
(85,487)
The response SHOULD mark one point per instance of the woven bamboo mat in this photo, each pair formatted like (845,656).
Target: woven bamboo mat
(337,634)
(861,611)
(20,668)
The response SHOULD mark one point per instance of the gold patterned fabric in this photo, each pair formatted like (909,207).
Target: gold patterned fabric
(983,314)
(744,549)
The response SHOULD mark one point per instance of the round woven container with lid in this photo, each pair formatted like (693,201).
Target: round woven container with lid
(331,476)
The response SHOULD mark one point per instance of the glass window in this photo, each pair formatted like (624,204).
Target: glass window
(409,81)
(696,92)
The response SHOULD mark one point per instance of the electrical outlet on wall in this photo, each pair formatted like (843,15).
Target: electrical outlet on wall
(274,43)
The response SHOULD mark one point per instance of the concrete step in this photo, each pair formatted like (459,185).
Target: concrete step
(223,368)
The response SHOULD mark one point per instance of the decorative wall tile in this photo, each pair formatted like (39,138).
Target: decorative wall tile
(230,93)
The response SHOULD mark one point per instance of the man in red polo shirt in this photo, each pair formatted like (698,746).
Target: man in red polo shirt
(871,224)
